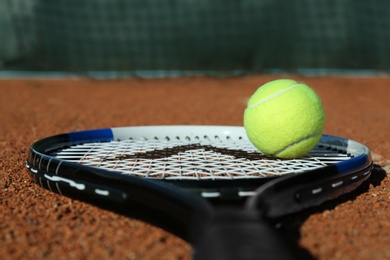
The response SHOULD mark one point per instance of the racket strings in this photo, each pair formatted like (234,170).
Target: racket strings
(193,159)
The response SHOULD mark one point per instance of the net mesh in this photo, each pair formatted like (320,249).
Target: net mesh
(198,35)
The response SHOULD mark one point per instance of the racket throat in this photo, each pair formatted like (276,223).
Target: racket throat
(240,234)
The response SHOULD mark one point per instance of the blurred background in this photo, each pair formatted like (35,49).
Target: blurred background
(113,38)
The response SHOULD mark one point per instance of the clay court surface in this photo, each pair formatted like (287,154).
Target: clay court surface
(38,224)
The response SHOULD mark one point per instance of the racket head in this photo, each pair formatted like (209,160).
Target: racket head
(158,169)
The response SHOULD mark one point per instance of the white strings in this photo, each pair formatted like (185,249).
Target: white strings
(198,160)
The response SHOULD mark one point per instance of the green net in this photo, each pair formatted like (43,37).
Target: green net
(198,35)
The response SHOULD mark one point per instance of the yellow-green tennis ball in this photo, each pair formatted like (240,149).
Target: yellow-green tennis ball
(284,119)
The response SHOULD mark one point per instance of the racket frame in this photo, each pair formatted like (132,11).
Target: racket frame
(176,208)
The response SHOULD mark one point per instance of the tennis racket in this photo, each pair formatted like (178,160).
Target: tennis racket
(207,184)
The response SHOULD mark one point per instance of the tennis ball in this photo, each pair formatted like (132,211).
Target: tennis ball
(284,119)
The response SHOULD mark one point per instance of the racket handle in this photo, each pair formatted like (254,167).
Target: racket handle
(241,235)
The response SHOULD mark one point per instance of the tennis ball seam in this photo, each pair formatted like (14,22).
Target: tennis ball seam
(297,142)
(273,95)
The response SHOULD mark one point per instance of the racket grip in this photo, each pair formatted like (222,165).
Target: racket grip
(240,234)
